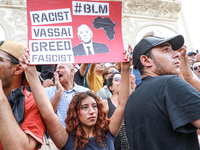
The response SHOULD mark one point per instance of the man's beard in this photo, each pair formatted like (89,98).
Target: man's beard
(7,81)
(161,70)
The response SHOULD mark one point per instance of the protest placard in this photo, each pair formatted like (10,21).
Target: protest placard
(61,31)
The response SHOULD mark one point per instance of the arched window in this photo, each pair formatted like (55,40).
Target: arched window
(159,31)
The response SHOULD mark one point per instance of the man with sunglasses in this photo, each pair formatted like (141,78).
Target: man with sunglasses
(21,125)
(191,59)
(196,69)
(163,113)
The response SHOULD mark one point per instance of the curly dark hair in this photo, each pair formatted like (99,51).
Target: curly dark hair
(73,125)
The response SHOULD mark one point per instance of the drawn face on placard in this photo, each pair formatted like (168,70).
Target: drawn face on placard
(85,33)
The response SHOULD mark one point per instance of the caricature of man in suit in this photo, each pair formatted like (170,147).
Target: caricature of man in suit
(88,47)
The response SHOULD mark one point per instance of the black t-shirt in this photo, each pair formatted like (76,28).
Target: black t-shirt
(159,113)
(93,144)
(78,79)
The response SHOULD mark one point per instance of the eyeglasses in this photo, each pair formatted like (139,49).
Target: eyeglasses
(112,71)
(195,68)
(1,59)
(118,79)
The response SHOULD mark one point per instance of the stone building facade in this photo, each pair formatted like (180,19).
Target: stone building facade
(139,17)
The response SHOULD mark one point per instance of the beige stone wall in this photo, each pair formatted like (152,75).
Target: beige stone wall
(14,20)
(138,18)
(143,16)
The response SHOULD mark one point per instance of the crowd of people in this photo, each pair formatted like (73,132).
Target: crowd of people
(149,102)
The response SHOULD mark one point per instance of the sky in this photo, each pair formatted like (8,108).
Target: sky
(191,12)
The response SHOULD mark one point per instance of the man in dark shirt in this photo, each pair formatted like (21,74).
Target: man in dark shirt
(163,113)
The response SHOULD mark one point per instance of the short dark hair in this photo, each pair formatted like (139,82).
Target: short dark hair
(1,42)
(140,66)
(109,83)
(13,59)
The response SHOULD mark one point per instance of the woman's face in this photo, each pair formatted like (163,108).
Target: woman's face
(116,83)
(88,112)
(110,72)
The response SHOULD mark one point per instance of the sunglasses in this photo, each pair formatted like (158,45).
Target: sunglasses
(113,71)
(118,79)
(195,68)
(1,59)
(100,63)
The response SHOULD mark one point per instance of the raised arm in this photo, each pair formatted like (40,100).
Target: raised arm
(92,68)
(57,96)
(83,69)
(118,116)
(53,124)
(133,84)
(91,71)
(186,71)
(118,65)
(12,137)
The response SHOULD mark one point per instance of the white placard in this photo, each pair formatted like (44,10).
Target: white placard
(50,16)
(48,32)
(90,8)
(50,51)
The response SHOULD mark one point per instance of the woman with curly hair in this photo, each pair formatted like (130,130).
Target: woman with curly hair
(80,119)
(87,124)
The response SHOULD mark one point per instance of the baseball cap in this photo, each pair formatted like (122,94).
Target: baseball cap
(16,50)
(191,53)
(149,42)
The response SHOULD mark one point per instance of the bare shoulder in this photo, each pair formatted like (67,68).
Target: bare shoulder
(104,102)
(105,105)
